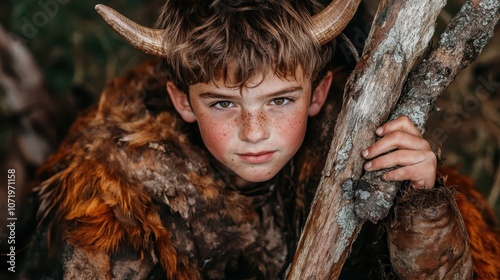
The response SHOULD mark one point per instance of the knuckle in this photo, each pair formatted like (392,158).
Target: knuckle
(398,134)
(396,175)
(423,155)
(375,164)
(405,118)
(427,145)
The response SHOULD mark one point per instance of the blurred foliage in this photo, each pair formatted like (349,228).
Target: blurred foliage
(77,50)
(72,44)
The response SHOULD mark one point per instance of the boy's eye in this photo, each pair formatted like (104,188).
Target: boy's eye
(222,104)
(280,101)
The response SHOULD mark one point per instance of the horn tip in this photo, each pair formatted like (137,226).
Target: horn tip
(100,8)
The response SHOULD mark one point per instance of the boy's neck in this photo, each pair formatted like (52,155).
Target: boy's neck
(243,184)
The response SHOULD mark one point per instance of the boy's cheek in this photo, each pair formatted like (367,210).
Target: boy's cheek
(294,130)
(217,137)
(214,135)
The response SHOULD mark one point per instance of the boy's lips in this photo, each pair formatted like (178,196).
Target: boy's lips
(259,157)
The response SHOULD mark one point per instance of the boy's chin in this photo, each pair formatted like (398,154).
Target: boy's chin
(244,180)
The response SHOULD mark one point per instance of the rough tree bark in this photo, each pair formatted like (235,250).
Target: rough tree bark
(346,197)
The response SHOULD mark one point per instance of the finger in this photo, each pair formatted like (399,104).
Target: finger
(402,123)
(414,174)
(396,140)
(400,158)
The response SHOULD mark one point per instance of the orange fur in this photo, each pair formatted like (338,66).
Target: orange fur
(480,222)
(95,207)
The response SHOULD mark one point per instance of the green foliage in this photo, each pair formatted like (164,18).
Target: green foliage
(71,42)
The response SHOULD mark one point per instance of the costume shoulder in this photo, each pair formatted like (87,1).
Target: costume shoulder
(128,179)
(96,193)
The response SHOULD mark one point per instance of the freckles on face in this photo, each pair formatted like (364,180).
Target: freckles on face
(228,139)
(253,132)
(292,129)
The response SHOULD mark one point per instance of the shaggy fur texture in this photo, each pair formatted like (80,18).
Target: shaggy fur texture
(132,193)
(481,225)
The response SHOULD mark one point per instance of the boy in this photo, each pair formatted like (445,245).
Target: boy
(213,178)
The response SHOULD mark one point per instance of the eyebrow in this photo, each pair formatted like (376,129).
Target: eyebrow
(209,95)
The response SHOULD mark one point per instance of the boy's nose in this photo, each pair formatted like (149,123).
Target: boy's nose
(254,127)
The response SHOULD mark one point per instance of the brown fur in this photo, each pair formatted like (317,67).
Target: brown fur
(92,199)
(481,225)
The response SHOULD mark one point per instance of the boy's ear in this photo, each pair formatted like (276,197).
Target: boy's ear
(181,103)
(320,94)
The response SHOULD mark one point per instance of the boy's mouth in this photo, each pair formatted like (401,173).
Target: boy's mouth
(259,157)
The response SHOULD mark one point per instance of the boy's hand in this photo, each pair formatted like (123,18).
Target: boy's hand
(401,145)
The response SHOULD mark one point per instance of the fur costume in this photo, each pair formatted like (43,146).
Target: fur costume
(133,194)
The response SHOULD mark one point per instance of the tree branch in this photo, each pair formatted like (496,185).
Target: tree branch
(372,92)
(399,35)
(459,45)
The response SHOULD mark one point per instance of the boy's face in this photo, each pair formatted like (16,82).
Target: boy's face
(255,130)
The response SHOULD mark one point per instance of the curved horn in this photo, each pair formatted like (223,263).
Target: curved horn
(146,39)
(330,22)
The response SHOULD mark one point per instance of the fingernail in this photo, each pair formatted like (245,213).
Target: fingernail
(379,130)
(384,177)
(364,153)
(368,165)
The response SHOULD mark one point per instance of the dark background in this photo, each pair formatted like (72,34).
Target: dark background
(78,53)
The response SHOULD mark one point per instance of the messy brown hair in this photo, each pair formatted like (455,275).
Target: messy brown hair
(252,36)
